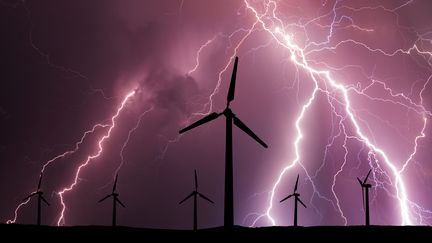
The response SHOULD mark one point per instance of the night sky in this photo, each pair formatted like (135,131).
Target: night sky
(66,66)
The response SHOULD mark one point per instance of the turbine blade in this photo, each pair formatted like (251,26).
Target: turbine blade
(206,119)
(186,198)
(245,129)
(103,199)
(231,90)
(367,176)
(29,196)
(196,180)
(286,198)
(40,181)
(361,183)
(118,200)
(43,199)
(204,197)
(295,187)
(363,198)
(300,201)
(115,184)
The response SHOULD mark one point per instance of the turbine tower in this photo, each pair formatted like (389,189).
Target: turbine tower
(365,197)
(195,193)
(115,195)
(39,193)
(230,118)
(296,199)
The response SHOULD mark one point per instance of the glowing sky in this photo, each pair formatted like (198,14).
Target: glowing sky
(142,70)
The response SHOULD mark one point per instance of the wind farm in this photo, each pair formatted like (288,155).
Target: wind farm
(210,118)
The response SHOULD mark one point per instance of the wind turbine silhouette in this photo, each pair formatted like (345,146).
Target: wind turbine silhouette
(40,197)
(297,199)
(365,196)
(230,118)
(115,195)
(195,193)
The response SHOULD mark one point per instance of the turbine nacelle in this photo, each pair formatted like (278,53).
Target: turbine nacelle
(228,112)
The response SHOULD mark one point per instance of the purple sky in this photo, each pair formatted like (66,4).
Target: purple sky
(67,66)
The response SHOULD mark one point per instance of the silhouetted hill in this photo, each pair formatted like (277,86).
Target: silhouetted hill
(288,234)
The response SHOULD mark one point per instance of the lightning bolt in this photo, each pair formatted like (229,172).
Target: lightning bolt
(110,126)
(323,82)
(298,57)
(126,142)
(61,193)
(56,158)
(198,54)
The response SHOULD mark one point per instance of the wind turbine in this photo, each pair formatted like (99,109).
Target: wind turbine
(115,195)
(365,196)
(195,193)
(230,118)
(297,199)
(40,197)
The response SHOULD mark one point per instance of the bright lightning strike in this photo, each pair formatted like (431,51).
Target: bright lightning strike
(110,126)
(61,193)
(268,21)
(298,57)
(323,80)
(56,158)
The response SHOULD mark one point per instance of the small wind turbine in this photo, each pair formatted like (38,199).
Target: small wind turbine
(195,193)
(115,195)
(365,196)
(40,197)
(297,199)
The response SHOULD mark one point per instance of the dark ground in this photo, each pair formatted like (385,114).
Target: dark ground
(288,234)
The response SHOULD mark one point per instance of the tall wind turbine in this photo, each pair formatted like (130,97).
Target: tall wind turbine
(365,196)
(230,118)
(296,199)
(39,193)
(195,193)
(115,195)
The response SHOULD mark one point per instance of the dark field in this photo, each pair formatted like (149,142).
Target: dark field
(286,234)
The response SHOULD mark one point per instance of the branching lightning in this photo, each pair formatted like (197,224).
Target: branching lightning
(61,193)
(109,128)
(268,21)
(56,158)
(126,142)
(347,125)
(298,56)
